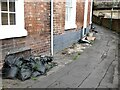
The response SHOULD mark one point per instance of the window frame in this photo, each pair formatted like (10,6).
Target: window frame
(11,31)
(8,12)
(71,23)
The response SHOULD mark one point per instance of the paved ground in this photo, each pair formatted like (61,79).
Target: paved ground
(96,67)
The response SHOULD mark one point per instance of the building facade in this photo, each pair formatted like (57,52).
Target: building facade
(71,17)
(26,25)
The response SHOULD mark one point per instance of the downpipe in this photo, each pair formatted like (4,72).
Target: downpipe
(84,31)
(51,18)
(85,18)
(91,14)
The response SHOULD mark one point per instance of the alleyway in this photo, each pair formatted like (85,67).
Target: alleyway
(95,68)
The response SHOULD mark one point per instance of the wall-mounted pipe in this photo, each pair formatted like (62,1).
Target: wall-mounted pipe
(111,18)
(91,12)
(85,17)
(52,28)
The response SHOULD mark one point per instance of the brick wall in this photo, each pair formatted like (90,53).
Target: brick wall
(59,16)
(62,38)
(37,23)
(80,13)
(89,7)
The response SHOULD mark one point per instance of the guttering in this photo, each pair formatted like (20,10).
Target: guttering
(85,17)
(51,27)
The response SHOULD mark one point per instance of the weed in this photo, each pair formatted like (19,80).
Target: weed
(76,56)
(33,78)
(79,53)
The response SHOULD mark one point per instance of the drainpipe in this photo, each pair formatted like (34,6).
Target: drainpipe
(91,13)
(111,19)
(51,27)
(85,17)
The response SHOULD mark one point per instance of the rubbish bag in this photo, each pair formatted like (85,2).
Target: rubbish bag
(46,59)
(40,67)
(25,68)
(50,66)
(12,72)
(10,59)
(25,72)
(42,63)
(10,67)
(5,70)
(32,63)
(49,59)
(36,74)
(29,59)
(18,62)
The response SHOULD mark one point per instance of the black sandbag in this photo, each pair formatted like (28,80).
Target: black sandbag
(12,72)
(25,72)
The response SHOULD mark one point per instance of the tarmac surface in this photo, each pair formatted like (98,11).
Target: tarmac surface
(96,67)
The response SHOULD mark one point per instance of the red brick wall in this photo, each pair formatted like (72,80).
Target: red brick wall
(89,7)
(80,13)
(37,23)
(59,16)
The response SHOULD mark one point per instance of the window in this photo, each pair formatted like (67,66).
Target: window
(70,17)
(12,19)
(8,14)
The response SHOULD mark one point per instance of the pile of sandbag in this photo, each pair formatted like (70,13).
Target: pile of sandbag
(25,68)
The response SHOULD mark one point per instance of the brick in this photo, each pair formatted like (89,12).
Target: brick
(37,23)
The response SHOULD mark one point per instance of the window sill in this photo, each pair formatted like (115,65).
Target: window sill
(70,26)
(12,33)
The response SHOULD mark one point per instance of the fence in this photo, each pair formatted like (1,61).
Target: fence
(112,24)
